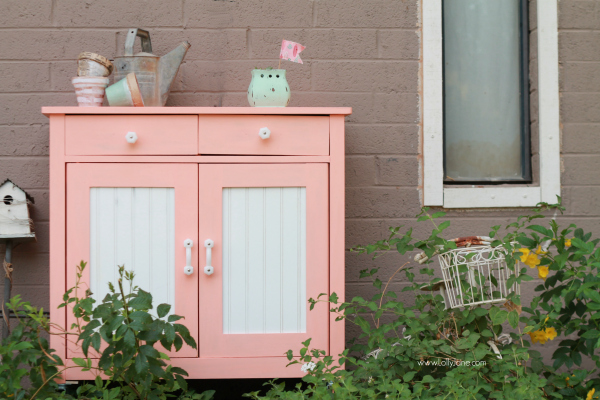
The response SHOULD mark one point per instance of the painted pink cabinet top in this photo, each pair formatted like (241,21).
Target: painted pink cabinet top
(200,110)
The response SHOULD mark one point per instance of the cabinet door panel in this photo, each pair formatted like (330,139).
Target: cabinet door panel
(264,260)
(133,227)
(136,215)
(269,224)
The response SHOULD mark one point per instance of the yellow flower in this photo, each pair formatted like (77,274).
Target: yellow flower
(539,250)
(543,271)
(542,336)
(529,258)
(590,394)
(568,244)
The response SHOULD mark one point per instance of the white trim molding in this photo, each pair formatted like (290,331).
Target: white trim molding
(434,192)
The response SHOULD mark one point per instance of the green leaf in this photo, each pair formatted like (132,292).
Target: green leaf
(498,316)
(173,318)
(169,333)
(513,318)
(527,242)
(438,214)
(22,346)
(540,229)
(443,225)
(163,309)
(409,375)
(129,338)
(592,295)
(141,363)
(143,301)
(591,334)
(79,361)
(480,312)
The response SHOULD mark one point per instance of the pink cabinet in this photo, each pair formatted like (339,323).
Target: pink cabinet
(235,216)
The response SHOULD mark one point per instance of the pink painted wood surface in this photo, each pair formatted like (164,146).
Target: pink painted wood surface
(57,231)
(201,110)
(218,368)
(238,134)
(157,134)
(200,159)
(184,179)
(337,237)
(213,178)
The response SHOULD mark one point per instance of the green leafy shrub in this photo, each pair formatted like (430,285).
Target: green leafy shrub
(120,338)
(424,351)
(134,367)
(25,354)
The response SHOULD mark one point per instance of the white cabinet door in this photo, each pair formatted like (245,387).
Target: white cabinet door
(269,225)
(138,216)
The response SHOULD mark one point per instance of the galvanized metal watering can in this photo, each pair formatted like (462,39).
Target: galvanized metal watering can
(154,74)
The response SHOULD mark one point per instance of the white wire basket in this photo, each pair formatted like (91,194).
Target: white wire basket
(476,274)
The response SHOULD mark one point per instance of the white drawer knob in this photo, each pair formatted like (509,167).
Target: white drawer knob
(264,133)
(131,137)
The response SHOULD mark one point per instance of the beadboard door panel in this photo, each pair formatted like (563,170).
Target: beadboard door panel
(134,227)
(136,215)
(264,260)
(269,224)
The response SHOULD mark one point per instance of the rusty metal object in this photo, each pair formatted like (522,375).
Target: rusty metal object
(154,74)
(92,64)
(464,241)
(468,241)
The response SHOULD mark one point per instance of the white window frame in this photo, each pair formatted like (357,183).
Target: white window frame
(434,192)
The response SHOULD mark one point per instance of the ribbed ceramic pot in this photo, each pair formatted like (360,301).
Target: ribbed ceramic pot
(269,88)
(90,90)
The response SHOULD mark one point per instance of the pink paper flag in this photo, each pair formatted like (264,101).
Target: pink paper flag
(291,51)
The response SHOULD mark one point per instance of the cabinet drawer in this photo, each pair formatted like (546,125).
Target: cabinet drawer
(240,134)
(156,134)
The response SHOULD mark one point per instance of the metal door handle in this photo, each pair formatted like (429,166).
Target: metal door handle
(188,269)
(208,270)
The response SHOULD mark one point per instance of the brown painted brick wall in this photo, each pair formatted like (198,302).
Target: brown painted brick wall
(364,54)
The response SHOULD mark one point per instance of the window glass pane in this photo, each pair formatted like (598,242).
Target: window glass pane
(482,90)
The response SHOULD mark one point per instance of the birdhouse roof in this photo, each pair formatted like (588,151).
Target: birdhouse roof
(27,195)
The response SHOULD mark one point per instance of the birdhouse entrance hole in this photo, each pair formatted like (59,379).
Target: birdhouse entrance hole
(7,200)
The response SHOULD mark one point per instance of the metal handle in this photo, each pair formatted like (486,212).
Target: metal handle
(188,269)
(130,41)
(131,137)
(208,270)
(264,133)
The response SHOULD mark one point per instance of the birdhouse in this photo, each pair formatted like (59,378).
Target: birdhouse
(15,223)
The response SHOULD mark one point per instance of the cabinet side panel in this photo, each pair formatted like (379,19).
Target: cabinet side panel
(337,250)
(57,229)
